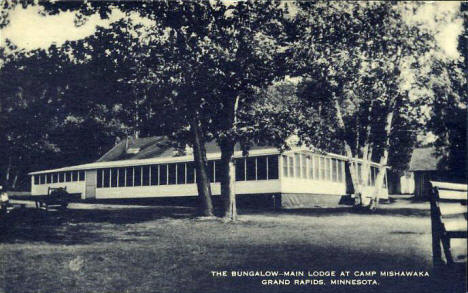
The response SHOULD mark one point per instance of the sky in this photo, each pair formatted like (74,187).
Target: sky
(441,18)
(28,29)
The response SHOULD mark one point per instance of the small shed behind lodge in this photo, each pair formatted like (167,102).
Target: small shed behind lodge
(425,164)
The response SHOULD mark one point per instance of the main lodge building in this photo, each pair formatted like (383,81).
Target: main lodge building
(152,168)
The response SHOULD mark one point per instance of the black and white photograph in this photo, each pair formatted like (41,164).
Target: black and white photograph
(233,146)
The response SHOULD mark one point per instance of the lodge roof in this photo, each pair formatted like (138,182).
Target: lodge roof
(156,147)
(424,159)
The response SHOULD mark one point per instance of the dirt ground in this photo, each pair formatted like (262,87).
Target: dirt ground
(113,249)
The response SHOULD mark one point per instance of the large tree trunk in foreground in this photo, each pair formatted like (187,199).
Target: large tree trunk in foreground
(201,165)
(226,145)
(228,180)
(349,153)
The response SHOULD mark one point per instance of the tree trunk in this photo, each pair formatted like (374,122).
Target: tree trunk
(366,160)
(384,159)
(6,179)
(15,179)
(349,153)
(228,180)
(226,145)
(366,156)
(365,174)
(201,165)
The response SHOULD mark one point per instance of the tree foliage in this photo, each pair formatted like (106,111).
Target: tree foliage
(352,58)
(449,111)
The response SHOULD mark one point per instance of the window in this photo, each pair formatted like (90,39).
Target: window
(251,168)
(137,176)
(114,176)
(121,179)
(154,174)
(328,169)
(146,175)
(49,178)
(68,176)
(303,166)
(297,162)
(272,167)
(172,174)
(106,178)
(262,168)
(310,163)
(181,173)
(163,174)
(334,170)
(75,176)
(291,166)
(359,168)
(240,169)
(218,171)
(372,175)
(340,171)
(55,177)
(43,179)
(36,179)
(61,177)
(82,175)
(317,167)
(191,172)
(322,168)
(129,171)
(99,178)
(285,166)
(211,170)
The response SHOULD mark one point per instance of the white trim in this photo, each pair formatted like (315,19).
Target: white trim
(141,175)
(194,174)
(159,174)
(256,169)
(245,169)
(150,171)
(214,171)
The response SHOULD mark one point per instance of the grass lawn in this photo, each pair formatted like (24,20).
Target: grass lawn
(113,249)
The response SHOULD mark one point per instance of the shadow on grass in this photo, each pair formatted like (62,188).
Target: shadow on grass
(325,212)
(76,226)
